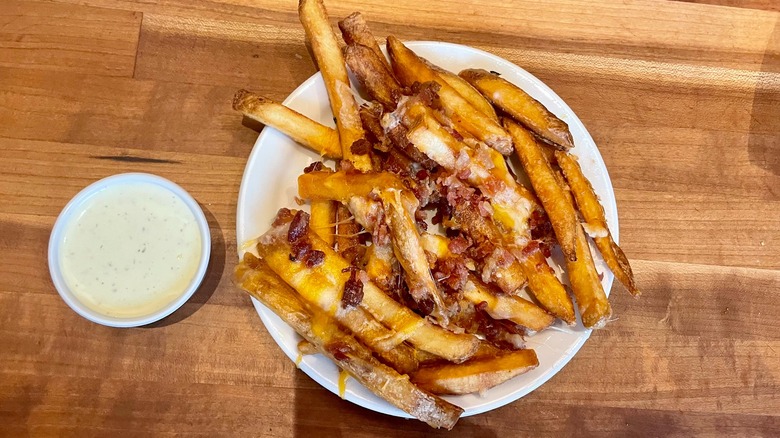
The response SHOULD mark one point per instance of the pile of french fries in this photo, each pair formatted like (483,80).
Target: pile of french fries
(409,312)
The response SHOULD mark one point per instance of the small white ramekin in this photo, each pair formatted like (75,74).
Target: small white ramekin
(76,206)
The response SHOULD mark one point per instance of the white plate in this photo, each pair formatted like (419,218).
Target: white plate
(270,182)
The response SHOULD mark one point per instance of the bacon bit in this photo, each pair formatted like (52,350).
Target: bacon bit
(421,224)
(360,146)
(545,249)
(493,186)
(317,165)
(428,93)
(463,173)
(425,305)
(530,248)
(346,166)
(485,209)
(458,245)
(298,226)
(420,217)
(422,174)
(457,135)
(455,271)
(353,292)
(283,216)
(601,276)
(313,259)
(300,249)
(339,350)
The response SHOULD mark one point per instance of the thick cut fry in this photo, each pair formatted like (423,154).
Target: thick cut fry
(342,186)
(561,212)
(593,214)
(471,94)
(261,282)
(546,287)
(307,132)
(511,206)
(324,284)
(330,61)
(409,68)
(522,107)
(499,306)
(586,285)
(374,75)
(323,218)
(355,30)
(410,254)
(475,375)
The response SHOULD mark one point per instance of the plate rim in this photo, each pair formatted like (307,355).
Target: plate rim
(267,316)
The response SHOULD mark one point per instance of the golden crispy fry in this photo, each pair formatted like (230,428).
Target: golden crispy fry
(410,254)
(593,213)
(330,61)
(355,30)
(586,285)
(386,343)
(546,287)
(471,94)
(522,107)
(323,216)
(410,68)
(499,306)
(542,282)
(323,331)
(476,374)
(342,186)
(373,73)
(300,128)
(511,206)
(562,215)
(323,285)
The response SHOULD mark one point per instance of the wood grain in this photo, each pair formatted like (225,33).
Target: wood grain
(681,97)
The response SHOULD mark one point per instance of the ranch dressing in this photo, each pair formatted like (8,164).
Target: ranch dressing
(133,250)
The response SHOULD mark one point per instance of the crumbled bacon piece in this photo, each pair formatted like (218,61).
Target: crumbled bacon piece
(315,166)
(360,146)
(313,258)
(455,271)
(300,249)
(339,350)
(298,227)
(282,217)
(458,245)
(353,292)
(346,166)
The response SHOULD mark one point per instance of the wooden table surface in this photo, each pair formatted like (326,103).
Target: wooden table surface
(682,98)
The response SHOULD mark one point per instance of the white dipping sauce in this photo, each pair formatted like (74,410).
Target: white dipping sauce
(134,249)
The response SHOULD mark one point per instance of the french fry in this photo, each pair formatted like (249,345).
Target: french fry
(510,203)
(475,375)
(307,132)
(323,285)
(561,212)
(522,107)
(380,265)
(586,285)
(330,61)
(593,214)
(471,94)
(410,254)
(355,30)
(374,75)
(499,306)
(321,330)
(342,186)
(323,218)
(410,68)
